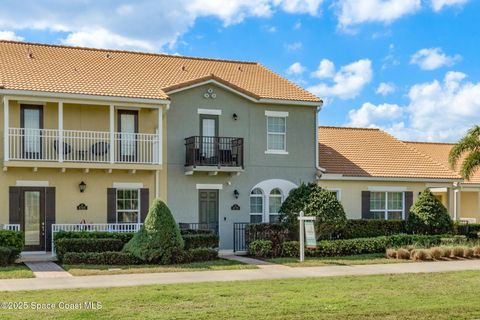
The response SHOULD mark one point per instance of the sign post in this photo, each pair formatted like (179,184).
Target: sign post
(307,230)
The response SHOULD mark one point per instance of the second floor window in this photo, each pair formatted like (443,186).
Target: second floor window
(276,133)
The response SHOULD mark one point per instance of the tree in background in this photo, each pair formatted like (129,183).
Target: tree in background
(468,146)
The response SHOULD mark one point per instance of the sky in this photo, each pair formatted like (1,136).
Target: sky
(410,67)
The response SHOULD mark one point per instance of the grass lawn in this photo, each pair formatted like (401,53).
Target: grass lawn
(15,271)
(373,258)
(220,264)
(451,295)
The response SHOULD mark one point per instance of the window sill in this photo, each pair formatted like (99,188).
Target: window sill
(276,152)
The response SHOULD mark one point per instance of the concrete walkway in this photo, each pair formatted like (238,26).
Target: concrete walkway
(47,269)
(232,275)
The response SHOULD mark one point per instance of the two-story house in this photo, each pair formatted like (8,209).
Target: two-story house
(90,137)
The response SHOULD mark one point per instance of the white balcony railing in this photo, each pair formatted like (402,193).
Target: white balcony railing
(82,146)
(11,227)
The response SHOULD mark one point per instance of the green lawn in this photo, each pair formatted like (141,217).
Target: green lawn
(373,258)
(15,271)
(220,264)
(452,295)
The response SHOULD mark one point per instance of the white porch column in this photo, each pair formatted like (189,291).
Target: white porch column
(6,130)
(459,204)
(112,133)
(159,135)
(61,146)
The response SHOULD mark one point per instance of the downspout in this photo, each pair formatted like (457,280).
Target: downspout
(318,170)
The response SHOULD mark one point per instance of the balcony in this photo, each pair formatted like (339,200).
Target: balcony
(66,146)
(213,154)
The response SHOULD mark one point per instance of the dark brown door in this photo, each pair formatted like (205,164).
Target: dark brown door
(128,128)
(31,121)
(32,211)
(208,209)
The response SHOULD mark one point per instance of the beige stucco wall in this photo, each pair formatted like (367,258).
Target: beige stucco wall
(351,192)
(470,205)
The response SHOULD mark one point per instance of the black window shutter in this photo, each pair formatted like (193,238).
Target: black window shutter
(144,203)
(366,205)
(111,205)
(408,203)
(49,215)
(14,205)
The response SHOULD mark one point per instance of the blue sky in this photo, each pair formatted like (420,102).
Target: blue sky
(410,67)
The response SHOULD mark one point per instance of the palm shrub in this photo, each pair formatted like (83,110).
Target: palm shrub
(429,216)
(314,201)
(159,240)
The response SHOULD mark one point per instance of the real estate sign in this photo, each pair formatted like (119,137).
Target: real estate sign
(310,238)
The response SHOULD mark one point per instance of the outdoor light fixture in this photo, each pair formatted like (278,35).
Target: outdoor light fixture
(236,193)
(82,186)
(235,117)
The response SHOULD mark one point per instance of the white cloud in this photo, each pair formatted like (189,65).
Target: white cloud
(436,111)
(433,58)
(294,46)
(326,69)
(295,69)
(10,35)
(369,114)
(385,88)
(348,82)
(438,5)
(352,12)
(143,24)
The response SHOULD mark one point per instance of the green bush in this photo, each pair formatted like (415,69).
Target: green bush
(124,237)
(159,240)
(365,228)
(195,231)
(65,245)
(290,249)
(314,201)
(8,255)
(429,216)
(207,240)
(328,248)
(470,230)
(260,249)
(276,233)
(12,239)
(105,258)
(200,255)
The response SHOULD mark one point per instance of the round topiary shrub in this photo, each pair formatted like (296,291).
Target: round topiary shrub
(458,252)
(314,201)
(476,251)
(429,216)
(159,240)
(391,254)
(468,252)
(436,253)
(403,254)
(420,255)
(260,249)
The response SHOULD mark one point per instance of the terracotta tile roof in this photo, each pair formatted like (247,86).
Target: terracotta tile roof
(439,151)
(51,68)
(359,152)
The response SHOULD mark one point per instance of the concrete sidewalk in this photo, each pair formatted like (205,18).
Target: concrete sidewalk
(232,275)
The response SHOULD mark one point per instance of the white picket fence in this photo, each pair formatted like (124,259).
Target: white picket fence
(94,227)
(11,227)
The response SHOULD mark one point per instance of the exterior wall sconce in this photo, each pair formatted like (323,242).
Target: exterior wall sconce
(236,193)
(82,186)
(235,117)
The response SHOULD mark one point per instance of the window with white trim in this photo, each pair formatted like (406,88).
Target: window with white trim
(128,206)
(276,134)
(256,206)
(337,193)
(387,205)
(275,200)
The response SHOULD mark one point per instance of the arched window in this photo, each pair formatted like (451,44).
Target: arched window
(274,203)
(256,206)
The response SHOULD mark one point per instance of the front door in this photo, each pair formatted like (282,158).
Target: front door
(32,209)
(208,209)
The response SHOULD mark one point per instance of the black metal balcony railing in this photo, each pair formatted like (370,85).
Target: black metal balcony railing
(214,151)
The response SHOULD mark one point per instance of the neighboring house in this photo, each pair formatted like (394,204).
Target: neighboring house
(376,176)
(92,136)
(467,192)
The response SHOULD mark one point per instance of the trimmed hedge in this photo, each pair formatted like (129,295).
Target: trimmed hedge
(106,258)
(206,240)
(365,228)
(8,255)
(328,248)
(261,249)
(124,237)
(470,230)
(291,249)
(12,239)
(65,245)
(195,231)
(274,232)
(200,255)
